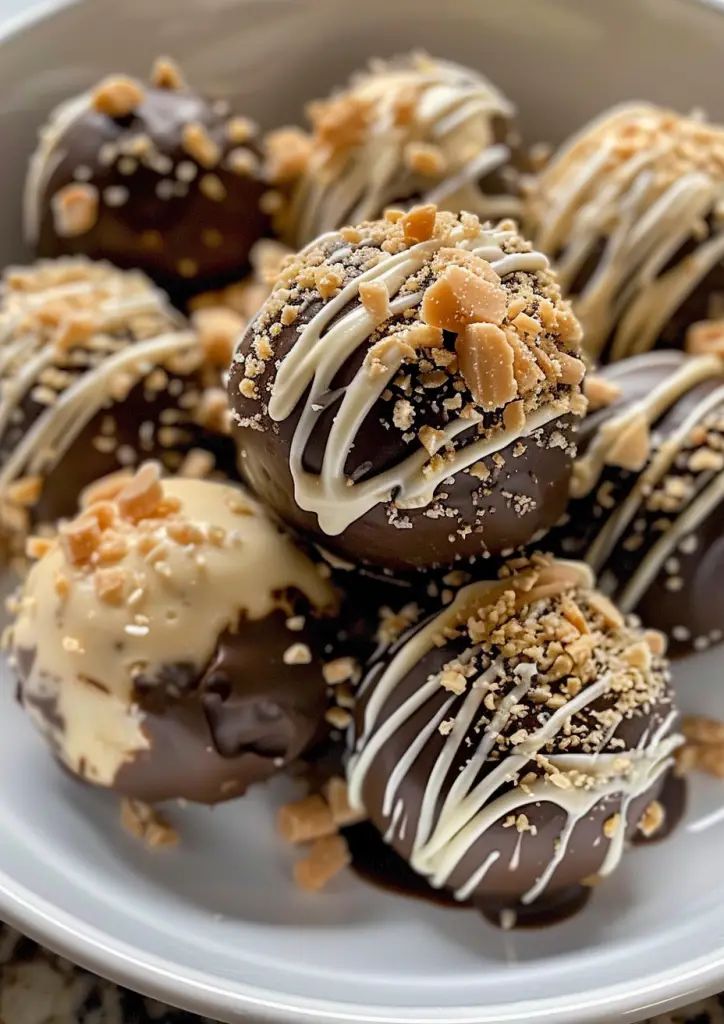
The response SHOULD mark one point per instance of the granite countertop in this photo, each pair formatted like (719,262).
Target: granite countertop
(37,987)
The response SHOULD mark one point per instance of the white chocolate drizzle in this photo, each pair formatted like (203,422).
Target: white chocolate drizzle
(134,330)
(454,109)
(180,594)
(685,374)
(324,344)
(447,828)
(638,182)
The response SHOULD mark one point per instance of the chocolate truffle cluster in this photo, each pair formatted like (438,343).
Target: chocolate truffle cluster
(631,210)
(324,525)
(412,128)
(98,372)
(149,175)
(168,641)
(407,393)
(510,744)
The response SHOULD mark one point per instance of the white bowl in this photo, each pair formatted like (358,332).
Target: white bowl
(216,925)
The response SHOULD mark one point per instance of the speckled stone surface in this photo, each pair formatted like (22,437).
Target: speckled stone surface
(37,987)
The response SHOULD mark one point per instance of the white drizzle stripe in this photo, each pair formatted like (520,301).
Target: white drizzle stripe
(321,350)
(56,428)
(686,523)
(653,474)
(446,834)
(45,159)
(455,109)
(588,195)
(591,464)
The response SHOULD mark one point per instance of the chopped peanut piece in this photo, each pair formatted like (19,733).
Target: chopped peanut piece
(197,142)
(25,491)
(600,392)
(327,857)
(75,209)
(80,539)
(337,796)
(165,74)
(306,819)
(142,494)
(459,298)
(288,152)
(632,447)
(486,363)
(706,337)
(376,300)
(117,96)
(652,819)
(218,328)
(418,223)
(145,823)
(425,158)
(110,585)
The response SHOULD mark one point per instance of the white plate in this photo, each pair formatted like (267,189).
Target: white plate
(216,925)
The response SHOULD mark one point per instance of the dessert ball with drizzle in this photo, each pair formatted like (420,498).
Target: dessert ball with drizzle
(406,394)
(154,176)
(168,641)
(99,372)
(648,492)
(631,211)
(412,128)
(509,746)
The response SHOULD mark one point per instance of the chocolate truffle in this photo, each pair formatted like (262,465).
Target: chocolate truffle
(98,372)
(631,210)
(648,493)
(167,641)
(151,176)
(412,128)
(510,746)
(406,393)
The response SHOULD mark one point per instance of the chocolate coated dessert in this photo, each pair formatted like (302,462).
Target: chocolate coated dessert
(511,745)
(98,372)
(169,641)
(630,208)
(407,392)
(648,493)
(153,176)
(412,128)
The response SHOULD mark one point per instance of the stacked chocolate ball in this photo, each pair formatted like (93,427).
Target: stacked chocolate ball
(418,410)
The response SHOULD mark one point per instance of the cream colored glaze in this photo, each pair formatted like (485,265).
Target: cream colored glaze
(448,828)
(455,109)
(189,597)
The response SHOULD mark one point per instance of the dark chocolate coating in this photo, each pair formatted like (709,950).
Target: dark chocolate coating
(693,614)
(179,224)
(247,715)
(540,473)
(84,462)
(504,883)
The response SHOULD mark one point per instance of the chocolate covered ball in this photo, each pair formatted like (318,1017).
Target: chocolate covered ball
(648,493)
(406,394)
(510,745)
(631,210)
(411,128)
(97,373)
(168,641)
(154,176)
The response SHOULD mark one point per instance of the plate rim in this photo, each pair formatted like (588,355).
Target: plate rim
(158,978)
(99,952)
